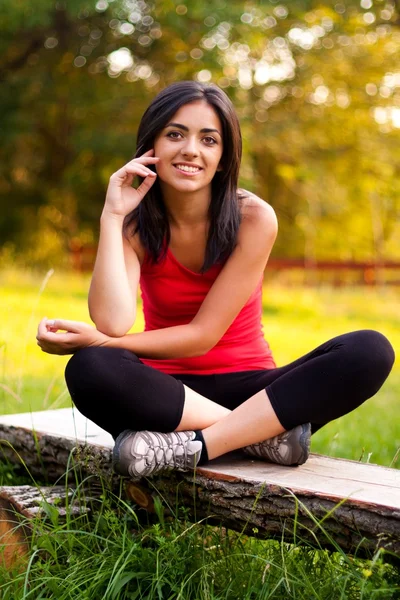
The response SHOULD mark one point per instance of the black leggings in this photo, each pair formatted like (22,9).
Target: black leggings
(113,388)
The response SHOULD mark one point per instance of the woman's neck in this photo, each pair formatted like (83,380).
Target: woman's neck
(186,209)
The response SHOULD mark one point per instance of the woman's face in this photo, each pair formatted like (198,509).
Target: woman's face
(190,148)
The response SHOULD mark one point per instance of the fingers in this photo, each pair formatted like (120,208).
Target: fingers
(136,167)
(145,186)
(147,157)
(57,343)
(53,339)
(142,171)
(65,325)
(41,328)
(52,325)
(131,170)
(43,332)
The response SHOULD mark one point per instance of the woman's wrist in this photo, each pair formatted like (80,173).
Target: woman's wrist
(109,217)
(116,342)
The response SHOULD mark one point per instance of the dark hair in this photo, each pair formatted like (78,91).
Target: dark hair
(150,217)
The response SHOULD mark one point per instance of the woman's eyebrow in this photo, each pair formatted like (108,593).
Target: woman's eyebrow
(180,126)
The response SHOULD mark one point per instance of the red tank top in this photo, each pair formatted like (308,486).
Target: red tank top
(173,294)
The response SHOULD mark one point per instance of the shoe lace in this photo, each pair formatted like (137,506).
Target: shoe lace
(169,451)
(269,447)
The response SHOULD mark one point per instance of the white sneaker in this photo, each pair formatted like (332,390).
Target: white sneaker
(143,453)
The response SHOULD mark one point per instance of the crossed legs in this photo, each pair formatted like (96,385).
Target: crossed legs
(114,389)
(225,430)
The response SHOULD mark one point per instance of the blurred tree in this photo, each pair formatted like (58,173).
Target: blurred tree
(315,84)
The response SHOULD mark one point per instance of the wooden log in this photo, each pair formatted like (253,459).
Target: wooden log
(56,444)
(326,501)
(312,503)
(19,505)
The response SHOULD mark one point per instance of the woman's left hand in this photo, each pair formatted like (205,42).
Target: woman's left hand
(75,335)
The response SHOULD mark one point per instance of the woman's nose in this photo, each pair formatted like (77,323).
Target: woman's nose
(190,148)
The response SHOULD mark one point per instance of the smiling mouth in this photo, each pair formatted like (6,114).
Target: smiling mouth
(188,169)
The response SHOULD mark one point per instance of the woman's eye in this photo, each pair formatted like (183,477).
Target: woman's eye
(174,135)
(210,140)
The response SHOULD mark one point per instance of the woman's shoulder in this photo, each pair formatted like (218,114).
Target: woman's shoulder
(256,210)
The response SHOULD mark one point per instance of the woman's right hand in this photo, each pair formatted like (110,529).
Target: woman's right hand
(121,197)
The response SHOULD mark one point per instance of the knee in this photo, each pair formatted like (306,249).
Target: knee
(88,361)
(91,374)
(92,366)
(373,354)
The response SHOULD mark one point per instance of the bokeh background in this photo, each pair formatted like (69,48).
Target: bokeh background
(317,90)
(316,85)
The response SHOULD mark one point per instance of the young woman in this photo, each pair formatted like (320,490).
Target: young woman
(200,381)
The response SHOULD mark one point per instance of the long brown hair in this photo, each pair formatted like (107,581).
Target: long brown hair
(150,217)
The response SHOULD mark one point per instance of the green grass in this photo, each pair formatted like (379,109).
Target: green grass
(122,554)
(119,555)
(297,320)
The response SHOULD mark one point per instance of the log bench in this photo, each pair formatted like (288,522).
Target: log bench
(328,502)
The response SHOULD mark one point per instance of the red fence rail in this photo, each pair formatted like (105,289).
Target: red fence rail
(338,272)
(362,272)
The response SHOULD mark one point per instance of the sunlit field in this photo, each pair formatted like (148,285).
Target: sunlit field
(295,321)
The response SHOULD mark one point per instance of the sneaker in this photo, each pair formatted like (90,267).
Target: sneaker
(143,453)
(288,448)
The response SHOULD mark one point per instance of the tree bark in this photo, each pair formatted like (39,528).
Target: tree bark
(269,511)
(326,502)
(19,505)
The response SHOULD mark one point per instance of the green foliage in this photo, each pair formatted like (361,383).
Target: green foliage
(122,554)
(315,84)
(10,475)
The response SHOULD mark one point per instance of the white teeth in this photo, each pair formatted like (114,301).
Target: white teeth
(187,168)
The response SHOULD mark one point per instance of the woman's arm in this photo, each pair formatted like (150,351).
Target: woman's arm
(113,289)
(230,292)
